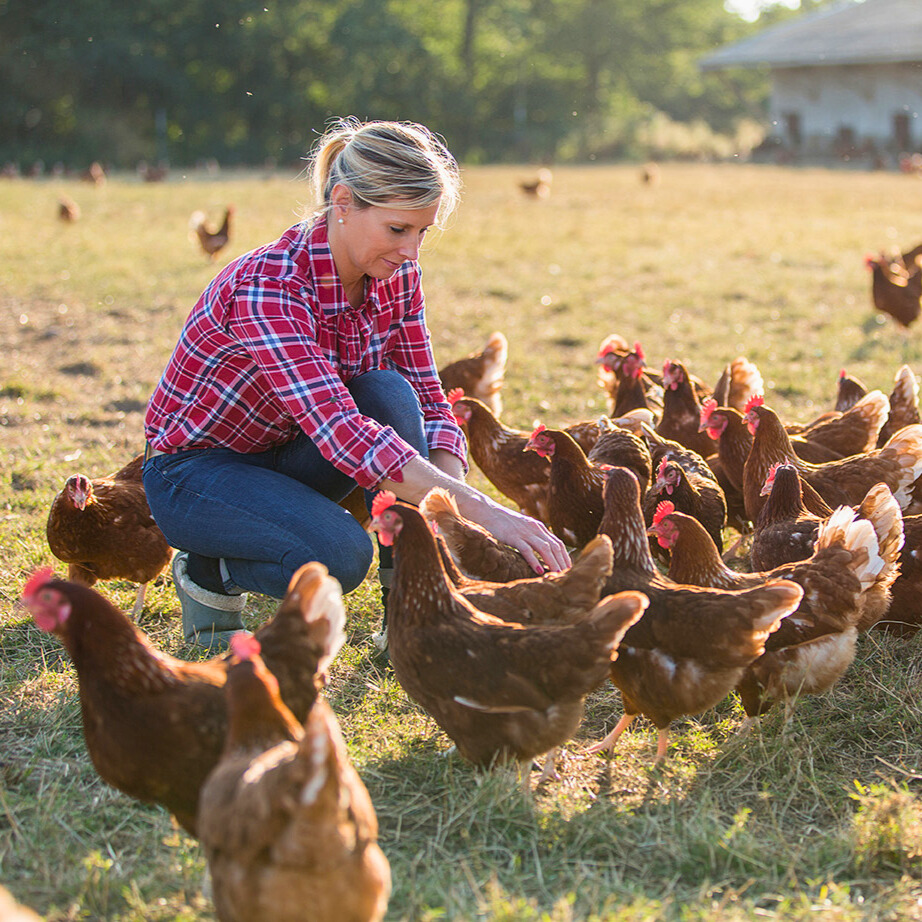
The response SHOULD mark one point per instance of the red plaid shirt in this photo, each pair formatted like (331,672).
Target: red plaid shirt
(267,349)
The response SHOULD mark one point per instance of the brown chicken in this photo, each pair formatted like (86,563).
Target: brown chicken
(844,482)
(692,645)
(574,490)
(904,404)
(738,383)
(540,186)
(559,596)
(905,615)
(622,447)
(849,391)
(103,529)
(68,209)
(154,725)
(624,377)
(850,433)
(786,529)
(499,451)
(481,374)
(474,550)
(288,828)
(700,497)
(846,584)
(501,691)
(11,911)
(896,289)
(211,241)
(681,417)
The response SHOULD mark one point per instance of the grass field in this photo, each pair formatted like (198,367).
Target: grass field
(821,821)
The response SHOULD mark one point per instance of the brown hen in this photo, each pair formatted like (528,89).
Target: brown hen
(154,725)
(501,691)
(692,645)
(287,826)
(102,529)
(481,374)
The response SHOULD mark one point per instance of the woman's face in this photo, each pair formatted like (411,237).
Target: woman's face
(375,241)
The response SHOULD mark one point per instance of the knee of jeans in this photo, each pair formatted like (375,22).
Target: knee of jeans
(349,566)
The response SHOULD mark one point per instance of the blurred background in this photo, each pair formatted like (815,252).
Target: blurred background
(244,83)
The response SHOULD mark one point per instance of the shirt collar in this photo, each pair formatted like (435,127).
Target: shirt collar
(328,288)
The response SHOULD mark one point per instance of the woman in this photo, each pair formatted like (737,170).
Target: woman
(304,369)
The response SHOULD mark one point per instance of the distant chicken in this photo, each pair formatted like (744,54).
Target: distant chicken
(896,289)
(846,584)
(692,645)
(501,691)
(211,241)
(844,482)
(474,550)
(68,209)
(154,725)
(287,826)
(786,529)
(94,174)
(481,374)
(103,529)
(574,492)
(540,186)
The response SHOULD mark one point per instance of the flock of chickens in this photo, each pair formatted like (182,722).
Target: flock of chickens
(247,755)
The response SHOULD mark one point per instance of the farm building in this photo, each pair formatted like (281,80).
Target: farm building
(846,80)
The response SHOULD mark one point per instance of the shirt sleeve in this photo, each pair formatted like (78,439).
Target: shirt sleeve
(411,356)
(277,328)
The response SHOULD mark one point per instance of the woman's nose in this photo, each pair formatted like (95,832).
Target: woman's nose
(410,248)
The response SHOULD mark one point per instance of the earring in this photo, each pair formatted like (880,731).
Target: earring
(341,221)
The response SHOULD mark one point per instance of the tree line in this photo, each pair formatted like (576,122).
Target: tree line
(250,81)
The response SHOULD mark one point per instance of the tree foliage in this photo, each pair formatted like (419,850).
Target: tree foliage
(243,82)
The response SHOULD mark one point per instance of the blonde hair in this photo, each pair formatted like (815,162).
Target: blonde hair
(396,164)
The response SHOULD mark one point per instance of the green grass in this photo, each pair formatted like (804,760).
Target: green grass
(822,820)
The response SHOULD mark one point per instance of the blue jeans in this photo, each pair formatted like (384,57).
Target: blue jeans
(268,513)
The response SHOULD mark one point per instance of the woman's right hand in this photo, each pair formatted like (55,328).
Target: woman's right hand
(535,542)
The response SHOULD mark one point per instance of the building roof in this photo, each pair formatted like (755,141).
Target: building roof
(849,32)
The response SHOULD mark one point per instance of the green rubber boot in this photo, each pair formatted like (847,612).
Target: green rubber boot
(209,619)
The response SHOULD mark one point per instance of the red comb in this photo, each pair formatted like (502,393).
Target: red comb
(841,374)
(756,400)
(662,466)
(36,581)
(454,395)
(639,351)
(383,500)
(770,477)
(244,646)
(662,510)
(707,408)
(538,429)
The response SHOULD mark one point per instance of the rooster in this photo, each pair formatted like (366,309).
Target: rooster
(846,584)
(501,691)
(574,490)
(284,818)
(481,374)
(103,529)
(692,645)
(844,482)
(211,241)
(154,725)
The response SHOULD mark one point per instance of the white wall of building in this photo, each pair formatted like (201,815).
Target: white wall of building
(862,98)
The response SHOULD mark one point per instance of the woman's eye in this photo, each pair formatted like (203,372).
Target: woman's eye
(396,230)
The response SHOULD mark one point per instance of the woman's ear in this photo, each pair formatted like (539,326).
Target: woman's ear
(340,200)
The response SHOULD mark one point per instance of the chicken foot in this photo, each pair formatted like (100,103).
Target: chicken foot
(612,738)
